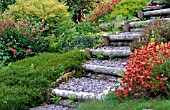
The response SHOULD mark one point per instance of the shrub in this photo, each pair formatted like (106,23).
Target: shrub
(100,13)
(80,8)
(127,8)
(41,9)
(23,83)
(140,78)
(86,27)
(158,29)
(4,4)
(83,42)
(18,41)
(114,25)
(48,12)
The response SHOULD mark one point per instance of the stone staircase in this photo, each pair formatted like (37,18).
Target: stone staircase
(104,74)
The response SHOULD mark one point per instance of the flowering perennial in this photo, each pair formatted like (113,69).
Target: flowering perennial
(139,78)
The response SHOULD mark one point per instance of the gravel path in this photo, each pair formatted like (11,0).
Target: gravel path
(125,33)
(123,43)
(114,48)
(89,85)
(51,107)
(119,62)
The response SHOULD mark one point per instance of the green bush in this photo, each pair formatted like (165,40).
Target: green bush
(84,41)
(41,9)
(23,83)
(86,27)
(18,41)
(127,8)
(158,30)
(80,7)
(48,12)
(4,4)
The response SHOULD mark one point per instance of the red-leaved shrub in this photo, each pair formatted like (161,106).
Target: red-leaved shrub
(102,9)
(140,79)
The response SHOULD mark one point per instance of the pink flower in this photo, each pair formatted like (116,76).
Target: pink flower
(10,14)
(28,51)
(11,22)
(53,31)
(20,25)
(0,32)
(49,34)
(13,50)
(4,24)
(25,33)
(34,31)
(31,23)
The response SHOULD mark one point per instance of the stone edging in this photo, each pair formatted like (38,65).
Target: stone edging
(60,80)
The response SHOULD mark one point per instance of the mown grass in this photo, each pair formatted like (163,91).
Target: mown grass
(112,103)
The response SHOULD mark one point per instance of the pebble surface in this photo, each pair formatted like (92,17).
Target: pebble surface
(89,85)
(51,107)
(118,62)
(114,48)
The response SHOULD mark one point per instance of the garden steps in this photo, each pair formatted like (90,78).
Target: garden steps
(108,67)
(127,26)
(105,73)
(84,88)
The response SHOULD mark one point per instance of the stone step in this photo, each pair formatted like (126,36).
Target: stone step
(51,107)
(104,77)
(123,51)
(72,104)
(151,8)
(84,88)
(120,43)
(159,12)
(138,24)
(124,36)
(108,67)
(136,30)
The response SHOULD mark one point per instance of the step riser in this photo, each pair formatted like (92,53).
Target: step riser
(136,30)
(120,43)
(127,26)
(81,95)
(102,69)
(151,8)
(161,12)
(120,38)
(117,53)
(67,103)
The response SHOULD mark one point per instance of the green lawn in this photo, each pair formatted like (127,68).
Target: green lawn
(112,103)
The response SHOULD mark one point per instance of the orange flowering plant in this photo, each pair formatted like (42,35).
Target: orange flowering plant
(147,72)
(102,10)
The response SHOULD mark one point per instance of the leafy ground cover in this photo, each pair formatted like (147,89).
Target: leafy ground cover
(23,83)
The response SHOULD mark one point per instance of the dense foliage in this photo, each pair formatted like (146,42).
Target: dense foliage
(23,83)
(4,4)
(101,12)
(157,30)
(18,41)
(127,8)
